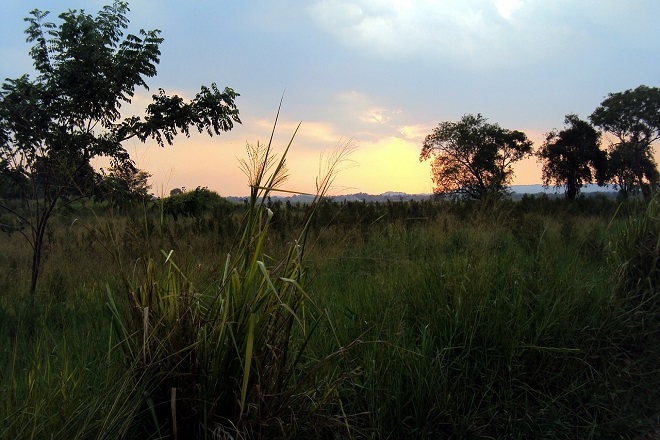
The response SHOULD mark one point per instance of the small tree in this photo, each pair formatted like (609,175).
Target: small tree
(627,166)
(70,113)
(123,186)
(193,203)
(473,158)
(633,117)
(572,157)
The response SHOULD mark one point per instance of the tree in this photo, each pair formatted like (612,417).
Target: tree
(123,186)
(633,118)
(62,175)
(572,157)
(70,113)
(627,166)
(473,158)
(193,203)
(11,182)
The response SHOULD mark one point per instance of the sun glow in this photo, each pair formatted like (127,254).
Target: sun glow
(506,7)
(390,164)
(386,158)
(386,163)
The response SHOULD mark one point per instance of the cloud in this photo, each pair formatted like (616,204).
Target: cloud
(415,132)
(309,132)
(506,8)
(406,29)
(378,115)
(480,34)
(364,117)
(366,109)
(374,122)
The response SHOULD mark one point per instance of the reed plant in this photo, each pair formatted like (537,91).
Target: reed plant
(232,360)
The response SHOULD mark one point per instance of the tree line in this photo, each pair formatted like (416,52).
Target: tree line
(472,158)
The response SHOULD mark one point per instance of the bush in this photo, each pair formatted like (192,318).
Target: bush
(195,204)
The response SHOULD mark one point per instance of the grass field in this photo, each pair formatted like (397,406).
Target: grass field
(533,319)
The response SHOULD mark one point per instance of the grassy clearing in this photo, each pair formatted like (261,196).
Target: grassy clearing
(532,320)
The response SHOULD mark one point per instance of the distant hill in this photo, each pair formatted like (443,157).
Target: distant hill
(535,189)
(395,196)
(358,197)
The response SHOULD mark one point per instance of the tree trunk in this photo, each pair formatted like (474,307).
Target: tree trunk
(571,190)
(38,245)
(36,256)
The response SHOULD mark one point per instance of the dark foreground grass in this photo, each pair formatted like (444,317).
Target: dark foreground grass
(498,324)
(58,372)
(476,331)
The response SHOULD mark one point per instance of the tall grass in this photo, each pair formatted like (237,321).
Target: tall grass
(232,360)
(479,331)
(56,377)
(512,323)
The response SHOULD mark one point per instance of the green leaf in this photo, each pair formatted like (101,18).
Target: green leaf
(248,360)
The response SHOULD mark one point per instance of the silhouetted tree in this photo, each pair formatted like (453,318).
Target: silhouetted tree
(123,186)
(65,174)
(193,203)
(70,113)
(472,157)
(12,182)
(572,157)
(633,117)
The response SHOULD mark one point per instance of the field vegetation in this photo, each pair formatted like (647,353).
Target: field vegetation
(529,319)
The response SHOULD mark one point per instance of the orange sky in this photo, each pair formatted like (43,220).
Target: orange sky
(387,164)
(386,157)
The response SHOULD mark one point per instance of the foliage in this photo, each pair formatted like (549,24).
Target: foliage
(60,175)
(629,165)
(12,182)
(572,157)
(123,186)
(472,157)
(633,117)
(194,203)
(53,125)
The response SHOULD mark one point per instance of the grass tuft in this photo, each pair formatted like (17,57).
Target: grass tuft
(232,357)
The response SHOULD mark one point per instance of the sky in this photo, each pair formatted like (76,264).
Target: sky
(378,75)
